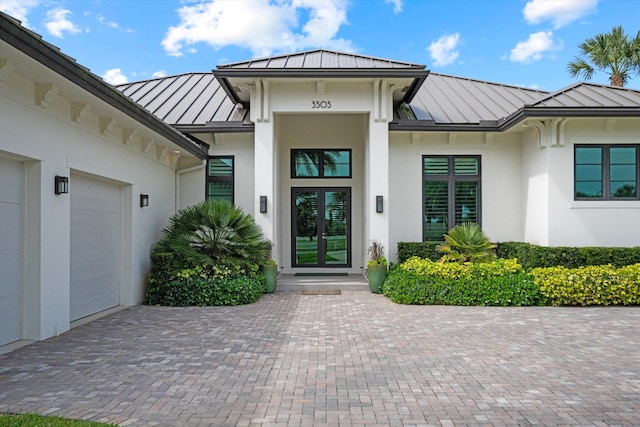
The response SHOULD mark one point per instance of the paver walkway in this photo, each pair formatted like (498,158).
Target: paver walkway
(354,359)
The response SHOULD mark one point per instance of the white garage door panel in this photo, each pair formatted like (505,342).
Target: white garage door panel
(96,218)
(11,250)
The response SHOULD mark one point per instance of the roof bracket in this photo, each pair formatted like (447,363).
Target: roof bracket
(147,144)
(79,111)
(45,94)
(106,125)
(128,136)
(6,68)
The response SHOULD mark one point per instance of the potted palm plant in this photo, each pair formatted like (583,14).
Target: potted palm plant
(270,270)
(376,267)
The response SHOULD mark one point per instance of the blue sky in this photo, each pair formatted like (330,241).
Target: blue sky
(519,42)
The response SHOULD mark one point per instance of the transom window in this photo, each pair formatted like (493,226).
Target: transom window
(451,193)
(220,178)
(606,172)
(320,163)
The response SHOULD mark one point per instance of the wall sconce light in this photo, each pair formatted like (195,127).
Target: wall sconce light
(61,184)
(379,204)
(263,204)
(144,200)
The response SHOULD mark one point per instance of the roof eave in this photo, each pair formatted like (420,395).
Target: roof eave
(513,119)
(217,127)
(432,126)
(568,112)
(15,35)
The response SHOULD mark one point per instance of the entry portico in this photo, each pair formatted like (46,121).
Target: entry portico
(321,149)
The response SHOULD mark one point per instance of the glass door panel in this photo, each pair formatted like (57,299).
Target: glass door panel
(321,229)
(306,227)
(335,227)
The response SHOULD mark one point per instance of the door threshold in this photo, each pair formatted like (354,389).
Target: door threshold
(322,274)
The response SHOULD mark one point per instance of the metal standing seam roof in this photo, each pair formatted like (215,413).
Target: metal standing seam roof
(198,100)
(321,59)
(185,99)
(589,95)
(446,99)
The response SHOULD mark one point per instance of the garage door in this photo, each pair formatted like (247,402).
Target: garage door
(96,224)
(11,249)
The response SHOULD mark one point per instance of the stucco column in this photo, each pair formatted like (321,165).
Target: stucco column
(377,178)
(264,177)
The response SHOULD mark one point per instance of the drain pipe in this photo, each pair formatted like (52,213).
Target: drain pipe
(180,172)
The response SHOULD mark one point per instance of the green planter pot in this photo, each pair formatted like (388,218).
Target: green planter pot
(271,273)
(376,273)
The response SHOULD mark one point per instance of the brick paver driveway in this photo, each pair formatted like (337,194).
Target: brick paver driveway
(350,359)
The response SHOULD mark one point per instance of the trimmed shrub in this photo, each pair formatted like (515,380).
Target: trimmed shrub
(497,283)
(426,250)
(193,288)
(589,285)
(533,256)
(214,234)
(209,255)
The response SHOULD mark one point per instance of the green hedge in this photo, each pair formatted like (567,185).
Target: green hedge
(497,283)
(202,291)
(426,250)
(533,256)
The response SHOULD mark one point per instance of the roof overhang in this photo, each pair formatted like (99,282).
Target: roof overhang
(514,119)
(33,46)
(230,79)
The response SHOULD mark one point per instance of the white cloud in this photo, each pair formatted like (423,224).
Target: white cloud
(397,5)
(101,19)
(263,26)
(158,74)
(534,48)
(559,12)
(444,50)
(115,77)
(18,9)
(57,23)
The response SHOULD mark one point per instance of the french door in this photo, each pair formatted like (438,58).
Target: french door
(321,227)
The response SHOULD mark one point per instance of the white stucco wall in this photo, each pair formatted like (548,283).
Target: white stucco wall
(502,217)
(51,140)
(590,223)
(535,189)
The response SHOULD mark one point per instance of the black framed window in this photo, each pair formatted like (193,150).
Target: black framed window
(320,163)
(450,193)
(220,174)
(606,172)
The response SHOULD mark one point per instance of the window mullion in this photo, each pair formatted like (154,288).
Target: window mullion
(606,171)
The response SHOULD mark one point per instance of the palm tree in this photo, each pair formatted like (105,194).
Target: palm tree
(214,233)
(613,53)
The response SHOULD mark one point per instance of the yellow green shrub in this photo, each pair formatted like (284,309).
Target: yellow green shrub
(466,270)
(496,283)
(591,285)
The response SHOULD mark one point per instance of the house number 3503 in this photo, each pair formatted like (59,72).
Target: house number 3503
(320,104)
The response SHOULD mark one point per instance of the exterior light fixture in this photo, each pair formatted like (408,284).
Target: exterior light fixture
(379,204)
(263,204)
(61,184)
(144,200)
